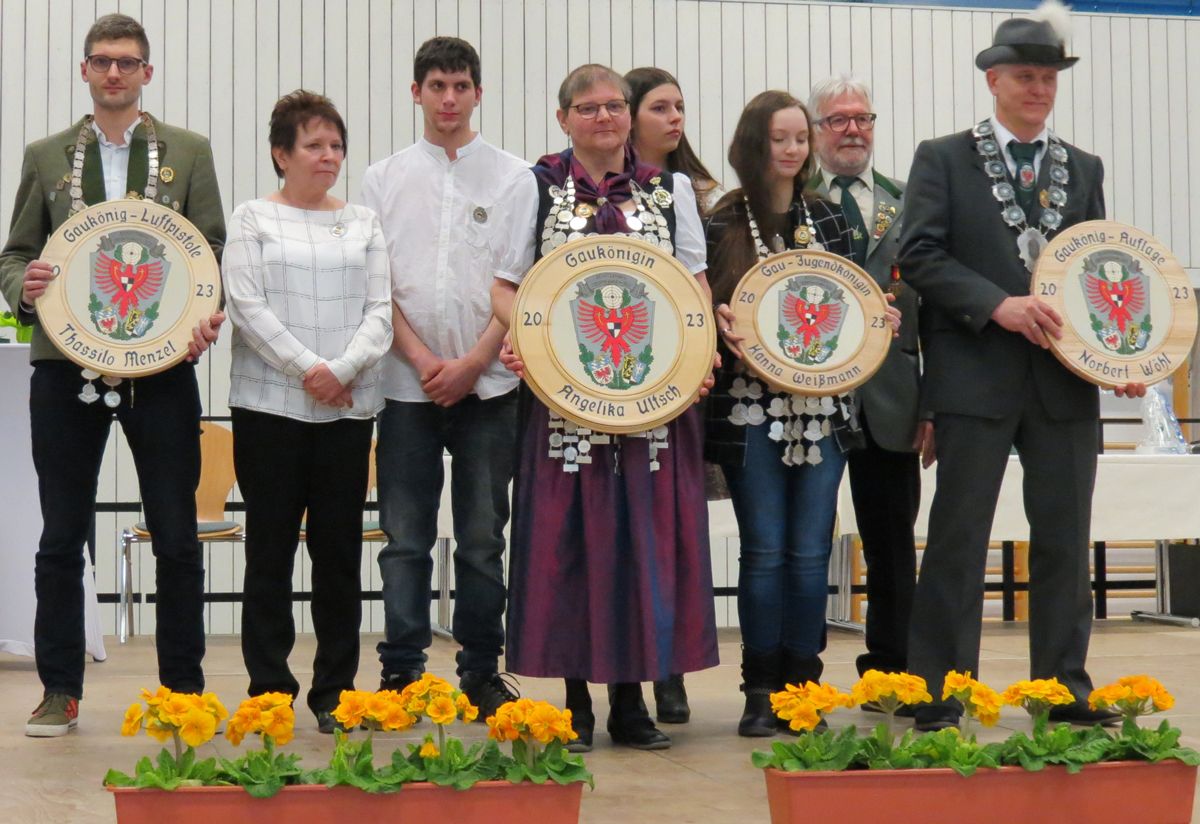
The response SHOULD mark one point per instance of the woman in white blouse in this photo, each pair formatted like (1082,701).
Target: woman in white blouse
(307,290)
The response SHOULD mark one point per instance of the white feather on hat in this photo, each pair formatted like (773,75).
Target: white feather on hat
(1057,15)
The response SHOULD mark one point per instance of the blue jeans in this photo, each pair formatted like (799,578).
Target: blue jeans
(480,436)
(785,516)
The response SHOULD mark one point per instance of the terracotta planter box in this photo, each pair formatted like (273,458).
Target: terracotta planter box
(1119,792)
(489,802)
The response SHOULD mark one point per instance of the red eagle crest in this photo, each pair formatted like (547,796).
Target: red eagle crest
(614,329)
(126,284)
(811,320)
(1117,302)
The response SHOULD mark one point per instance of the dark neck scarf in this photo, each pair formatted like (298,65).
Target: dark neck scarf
(607,195)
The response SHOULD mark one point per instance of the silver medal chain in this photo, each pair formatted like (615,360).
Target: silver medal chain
(800,422)
(112,399)
(1030,239)
(86,135)
(761,247)
(569,219)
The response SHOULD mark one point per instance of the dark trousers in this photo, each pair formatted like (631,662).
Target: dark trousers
(285,468)
(1059,461)
(886,487)
(481,438)
(160,416)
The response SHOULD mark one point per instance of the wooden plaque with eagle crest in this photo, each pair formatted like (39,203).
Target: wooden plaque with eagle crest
(616,335)
(1128,309)
(814,323)
(132,280)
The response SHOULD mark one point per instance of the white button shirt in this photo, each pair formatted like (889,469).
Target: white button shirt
(1004,137)
(440,218)
(114,160)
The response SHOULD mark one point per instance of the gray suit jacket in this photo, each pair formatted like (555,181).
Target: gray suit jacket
(962,258)
(890,398)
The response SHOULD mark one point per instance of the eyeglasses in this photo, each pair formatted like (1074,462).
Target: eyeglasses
(840,122)
(615,108)
(101,63)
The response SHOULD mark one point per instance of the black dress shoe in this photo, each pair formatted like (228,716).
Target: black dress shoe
(670,701)
(629,722)
(758,720)
(583,725)
(326,723)
(399,680)
(1083,715)
(934,720)
(579,702)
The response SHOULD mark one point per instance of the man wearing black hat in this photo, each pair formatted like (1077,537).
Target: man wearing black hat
(980,206)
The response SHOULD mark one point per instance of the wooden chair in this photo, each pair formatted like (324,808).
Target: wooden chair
(216,482)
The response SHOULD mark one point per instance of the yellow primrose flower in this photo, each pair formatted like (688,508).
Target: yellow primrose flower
(441,710)
(198,726)
(803,716)
(159,731)
(214,706)
(1048,691)
(429,749)
(1132,696)
(466,709)
(153,699)
(351,708)
(133,720)
(175,708)
(271,700)
(890,689)
(279,723)
(543,722)
(911,689)
(501,728)
(395,718)
(1146,688)
(564,730)
(957,684)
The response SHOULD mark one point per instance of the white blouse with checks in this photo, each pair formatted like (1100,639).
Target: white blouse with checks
(297,296)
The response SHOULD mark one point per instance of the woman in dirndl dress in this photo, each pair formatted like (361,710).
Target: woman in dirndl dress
(609,579)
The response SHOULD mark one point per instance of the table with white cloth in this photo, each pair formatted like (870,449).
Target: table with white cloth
(21,517)
(1137,497)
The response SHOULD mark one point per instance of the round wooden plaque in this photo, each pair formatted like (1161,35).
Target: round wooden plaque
(1129,314)
(814,323)
(133,279)
(616,334)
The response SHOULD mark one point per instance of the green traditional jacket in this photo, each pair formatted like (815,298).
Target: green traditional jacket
(187,183)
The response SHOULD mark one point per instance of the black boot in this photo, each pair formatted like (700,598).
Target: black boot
(583,721)
(670,701)
(798,669)
(760,678)
(629,721)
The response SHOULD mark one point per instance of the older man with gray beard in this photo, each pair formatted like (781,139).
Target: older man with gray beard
(885,476)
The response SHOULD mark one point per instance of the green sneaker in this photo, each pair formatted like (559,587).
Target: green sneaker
(56,716)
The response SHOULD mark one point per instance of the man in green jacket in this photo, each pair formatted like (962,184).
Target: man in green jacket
(107,155)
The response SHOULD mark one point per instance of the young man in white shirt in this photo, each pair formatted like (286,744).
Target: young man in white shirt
(445,389)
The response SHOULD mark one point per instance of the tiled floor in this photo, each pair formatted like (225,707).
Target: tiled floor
(705,777)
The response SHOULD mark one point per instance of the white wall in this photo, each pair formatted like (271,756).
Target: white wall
(221,64)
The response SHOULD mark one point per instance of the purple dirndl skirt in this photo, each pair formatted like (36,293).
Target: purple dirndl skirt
(609,577)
